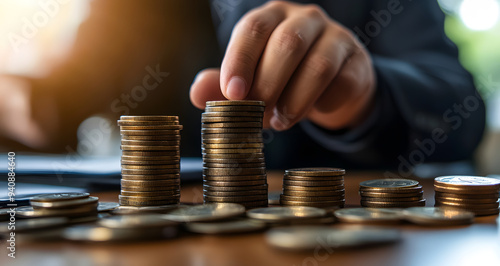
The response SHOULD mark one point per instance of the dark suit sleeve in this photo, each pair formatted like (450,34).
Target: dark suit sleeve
(426,102)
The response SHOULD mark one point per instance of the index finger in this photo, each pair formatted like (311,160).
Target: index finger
(245,47)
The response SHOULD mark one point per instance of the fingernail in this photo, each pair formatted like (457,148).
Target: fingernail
(236,89)
(277,124)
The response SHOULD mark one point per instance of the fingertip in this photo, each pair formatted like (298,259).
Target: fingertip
(236,89)
(205,87)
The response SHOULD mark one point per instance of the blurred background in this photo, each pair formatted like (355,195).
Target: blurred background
(38,35)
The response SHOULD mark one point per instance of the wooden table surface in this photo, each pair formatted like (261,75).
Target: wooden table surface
(476,244)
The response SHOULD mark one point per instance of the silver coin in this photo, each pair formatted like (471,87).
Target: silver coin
(59,197)
(369,215)
(310,237)
(107,206)
(285,213)
(65,203)
(206,212)
(33,224)
(136,221)
(438,216)
(227,227)
(94,233)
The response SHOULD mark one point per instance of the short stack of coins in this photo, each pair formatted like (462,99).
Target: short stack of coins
(314,187)
(234,168)
(391,193)
(150,160)
(64,204)
(472,193)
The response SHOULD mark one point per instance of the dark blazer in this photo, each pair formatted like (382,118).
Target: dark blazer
(428,109)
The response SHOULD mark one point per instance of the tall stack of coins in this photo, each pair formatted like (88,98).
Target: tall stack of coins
(150,160)
(313,187)
(472,193)
(391,193)
(234,170)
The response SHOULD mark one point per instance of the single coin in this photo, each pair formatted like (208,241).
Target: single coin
(154,127)
(312,189)
(32,224)
(150,183)
(150,154)
(59,197)
(149,172)
(234,226)
(30,212)
(149,118)
(207,122)
(234,193)
(165,189)
(150,167)
(234,171)
(382,184)
(318,171)
(235,103)
(150,163)
(401,194)
(151,177)
(65,203)
(234,188)
(310,237)
(467,196)
(205,212)
(235,183)
(466,190)
(234,178)
(321,193)
(234,146)
(379,204)
(232,114)
(473,182)
(150,132)
(136,221)
(153,138)
(232,141)
(399,199)
(236,109)
(369,215)
(231,136)
(285,213)
(438,216)
(231,156)
(312,183)
(92,233)
(230,130)
(314,178)
(151,143)
(235,199)
(467,201)
(148,148)
(151,159)
(223,151)
(234,165)
(104,206)
(312,199)
(339,203)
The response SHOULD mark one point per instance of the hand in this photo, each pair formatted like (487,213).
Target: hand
(300,62)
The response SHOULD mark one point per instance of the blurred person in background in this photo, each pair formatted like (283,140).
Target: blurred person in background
(364,84)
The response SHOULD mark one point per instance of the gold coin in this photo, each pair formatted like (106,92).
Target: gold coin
(151,143)
(230,130)
(224,151)
(153,138)
(312,199)
(235,103)
(144,162)
(149,183)
(326,193)
(469,205)
(149,118)
(393,190)
(229,108)
(149,132)
(248,121)
(466,201)
(232,114)
(234,178)
(312,183)
(151,167)
(234,146)
(150,194)
(150,154)
(234,165)
(318,171)
(234,171)
(234,183)
(234,188)
(149,172)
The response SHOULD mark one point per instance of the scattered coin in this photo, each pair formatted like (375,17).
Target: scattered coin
(438,216)
(107,206)
(369,215)
(64,203)
(285,213)
(59,197)
(206,212)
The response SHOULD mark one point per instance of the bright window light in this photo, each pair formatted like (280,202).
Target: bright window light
(480,14)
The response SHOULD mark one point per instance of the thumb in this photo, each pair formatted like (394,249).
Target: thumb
(206,87)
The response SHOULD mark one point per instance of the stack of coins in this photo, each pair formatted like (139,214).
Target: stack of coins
(314,187)
(391,193)
(472,193)
(150,160)
(61,204)
(234,170)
